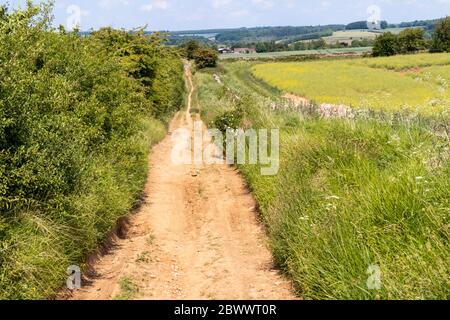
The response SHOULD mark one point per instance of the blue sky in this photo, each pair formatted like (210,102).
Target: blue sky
(205,14)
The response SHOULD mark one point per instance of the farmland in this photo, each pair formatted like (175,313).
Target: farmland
(367,83)
(362,34)
(351,193)
(347,35)
(275,55)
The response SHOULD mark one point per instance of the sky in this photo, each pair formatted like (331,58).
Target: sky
(207,14)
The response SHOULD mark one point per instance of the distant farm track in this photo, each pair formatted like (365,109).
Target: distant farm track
(197,236)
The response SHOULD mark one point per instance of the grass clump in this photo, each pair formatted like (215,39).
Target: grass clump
(349,196)
(128,289)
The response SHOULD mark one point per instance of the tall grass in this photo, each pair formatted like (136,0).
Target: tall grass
(350,193)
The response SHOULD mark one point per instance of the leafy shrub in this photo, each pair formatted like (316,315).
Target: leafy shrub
(205,58)
(228,120)
(441,36)
(159,69)
(190,47)
(411,40)
(385,45)
(75,129)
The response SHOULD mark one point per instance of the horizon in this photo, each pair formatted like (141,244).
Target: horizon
(188,15)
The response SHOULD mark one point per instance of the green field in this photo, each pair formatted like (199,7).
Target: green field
(274,55)
(362,34)
(350,193)
(367,83)
(350,35)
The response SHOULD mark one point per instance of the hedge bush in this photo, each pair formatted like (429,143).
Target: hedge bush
(77,119)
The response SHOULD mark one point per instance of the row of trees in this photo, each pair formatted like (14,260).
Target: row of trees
(413,40)
(272,46)
(321,44)
(363,25)
(203,56)
(273,33)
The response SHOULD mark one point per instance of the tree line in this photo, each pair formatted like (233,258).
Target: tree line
(203,55)
(413,40)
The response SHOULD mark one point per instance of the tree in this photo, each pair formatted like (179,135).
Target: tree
(318,44)
(385,45)
(357,25)
(441,36)
(3,12)
(205,57)
(411,40)
(191,46)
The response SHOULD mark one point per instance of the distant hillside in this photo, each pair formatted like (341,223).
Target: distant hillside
(287,34)
(280,34)
(272,33)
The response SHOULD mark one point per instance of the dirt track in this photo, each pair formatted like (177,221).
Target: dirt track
(196,237)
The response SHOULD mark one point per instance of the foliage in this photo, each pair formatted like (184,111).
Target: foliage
(271,46)
(386,45)
(363,25)
(190,48)
(156,67)
(230,119)
(411,40)
(270,33)
(427,24)
(441,36)
(244,37)
(75,129)
(205,57)
(363,43)
(311,45)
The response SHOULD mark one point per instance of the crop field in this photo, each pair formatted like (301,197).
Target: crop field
(350,35)
(367,83)
(274,55)
(409,62)
(358,34)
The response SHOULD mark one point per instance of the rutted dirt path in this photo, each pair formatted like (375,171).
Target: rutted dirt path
(196,237)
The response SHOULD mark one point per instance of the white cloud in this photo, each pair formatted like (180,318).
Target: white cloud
(265,4)
(108,4)
(157,4)
(218,4)
(240,13)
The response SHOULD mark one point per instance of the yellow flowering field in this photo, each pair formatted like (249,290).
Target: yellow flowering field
(414,83)
(403,62)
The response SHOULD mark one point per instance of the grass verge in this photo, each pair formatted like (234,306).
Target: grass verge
(351,194)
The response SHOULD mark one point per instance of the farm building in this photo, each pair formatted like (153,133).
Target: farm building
(244,50)
(225,50)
